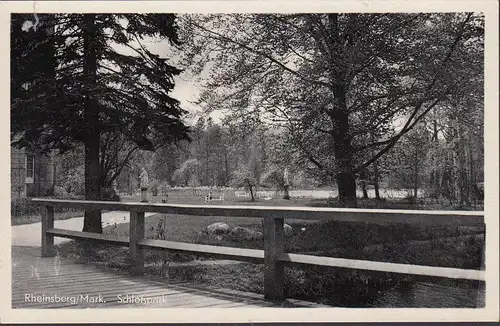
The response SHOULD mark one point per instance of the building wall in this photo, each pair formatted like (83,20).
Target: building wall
(43,176)
(17,173)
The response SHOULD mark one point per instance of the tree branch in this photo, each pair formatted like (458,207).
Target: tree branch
(218,36)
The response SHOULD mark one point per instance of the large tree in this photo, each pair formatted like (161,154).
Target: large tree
(105,80)
(333,80)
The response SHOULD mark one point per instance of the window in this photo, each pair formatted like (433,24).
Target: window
(30,168)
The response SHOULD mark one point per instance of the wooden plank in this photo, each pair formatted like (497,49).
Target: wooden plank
(210,303)
(310,213)
(111,296)
(248,305)
(249,255)
(241,305)
(169,295)
(48,249)
(248,297)
(49,272)
(94,237)
(136,235)
(445,272)
(273,268)
(54,275)
(218,295)
(203,299)
(109,290)
(41,305)
(224,292)
(101,281)
(110,284)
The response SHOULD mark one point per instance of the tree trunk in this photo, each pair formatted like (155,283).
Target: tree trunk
(363,186)
(129,182)
(207,173)
(286,194)
(339,116)
(415,183)
(375,170)
(92,221)
(363,177)
(345,179)
(347,189)
(226,167)
(251,192)
(375,180)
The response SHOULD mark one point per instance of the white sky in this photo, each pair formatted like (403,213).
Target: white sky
(186,90)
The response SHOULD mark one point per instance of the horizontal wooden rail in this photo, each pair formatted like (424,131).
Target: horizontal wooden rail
(257,256)
(455,273)
(384,216)
(273,255)
(95,237)
(250,255)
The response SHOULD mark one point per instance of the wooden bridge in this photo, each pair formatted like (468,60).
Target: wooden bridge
(54,282)
(47,281)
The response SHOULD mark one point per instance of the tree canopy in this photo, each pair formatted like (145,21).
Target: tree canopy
(341,85)
(131,85)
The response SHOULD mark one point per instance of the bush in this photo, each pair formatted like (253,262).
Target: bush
(337,287)
(60,192)
(154,190)
(23,207)
(109,194)
(74,182)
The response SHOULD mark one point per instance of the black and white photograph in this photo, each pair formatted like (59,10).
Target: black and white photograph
(248,157)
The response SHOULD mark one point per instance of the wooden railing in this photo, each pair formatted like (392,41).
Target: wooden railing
(273,256)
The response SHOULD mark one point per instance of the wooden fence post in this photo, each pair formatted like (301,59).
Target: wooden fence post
(136,234)
(48,249)
(273,269)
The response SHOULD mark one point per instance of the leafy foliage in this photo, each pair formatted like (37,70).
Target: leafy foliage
(187,173)
(273,177)
(332,81)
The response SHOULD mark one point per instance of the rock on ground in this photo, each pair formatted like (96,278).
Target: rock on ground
(244,234)
(218,228)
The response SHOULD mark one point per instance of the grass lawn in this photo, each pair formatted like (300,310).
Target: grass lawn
(335,239)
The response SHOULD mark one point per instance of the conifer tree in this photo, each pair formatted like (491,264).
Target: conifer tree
(101,78)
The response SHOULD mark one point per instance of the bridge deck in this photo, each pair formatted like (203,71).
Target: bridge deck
(62,283)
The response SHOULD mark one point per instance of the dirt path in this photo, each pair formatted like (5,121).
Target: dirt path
(29,235)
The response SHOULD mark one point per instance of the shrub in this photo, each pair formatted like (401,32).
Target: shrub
(109,194)
(154,190)
(74,181)
(60,192)
(337,287)
(23,207)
